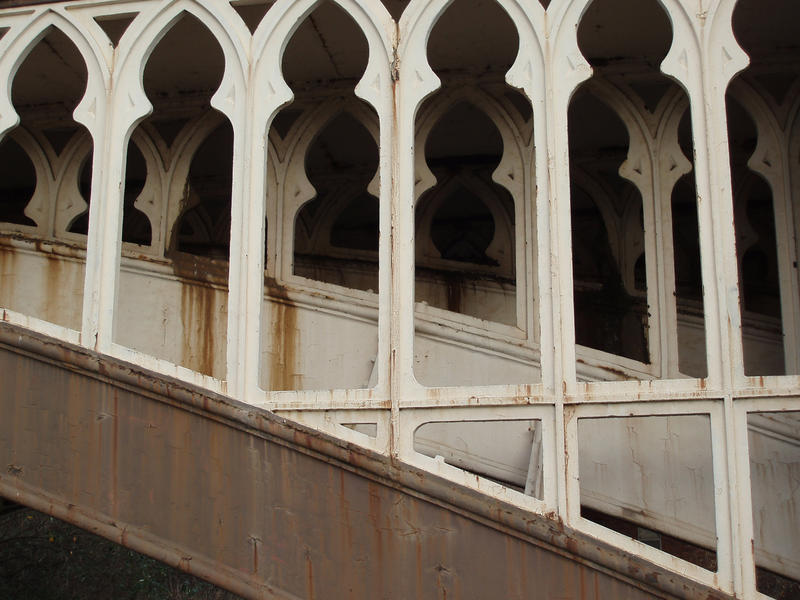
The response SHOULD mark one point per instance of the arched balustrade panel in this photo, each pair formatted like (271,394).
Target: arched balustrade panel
(271,38)
(326,161)
(446,362)
(646,151)
(764,141)
(268,360)
(19,183)
(474,202)
(465,236)
(52,81)
(688,279)
(74,188)
(343,207)
(630,134)
(181,315)
(74,197)
(762,103)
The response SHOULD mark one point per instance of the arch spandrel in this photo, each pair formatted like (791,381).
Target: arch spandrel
(38,206)
(150,199)
(601,197)
(277,28)
(69,202)
(637,167)
(313,125)
(771,135)
(18,42)
(509,173)
(297,190)
(182,153)
(503,223)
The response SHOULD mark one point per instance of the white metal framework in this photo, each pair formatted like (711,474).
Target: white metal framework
(526,368)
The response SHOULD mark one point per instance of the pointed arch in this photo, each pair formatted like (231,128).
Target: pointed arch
(69,202)
(307,132)
(20,41)
(682,62)
(279,25)
(504,226)
(418,20)
(147,30)
(509,172)
(303,191)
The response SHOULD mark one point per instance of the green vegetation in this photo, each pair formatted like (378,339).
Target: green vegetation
(42,558)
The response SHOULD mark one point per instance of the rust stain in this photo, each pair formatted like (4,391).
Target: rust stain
(5,257)
(309,575)
(419,567)
(197,320)
(508,563)
(255,554)
(442,573)
(522,572)
(54,291)
(7,269)
(375,520)
(455,284)
(115,456)
(582,582)
(199,312)
(571,544)
(98,454)
(283,361)
(344,507)
(185,564)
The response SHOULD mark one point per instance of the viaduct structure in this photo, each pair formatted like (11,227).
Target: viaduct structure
(409,299)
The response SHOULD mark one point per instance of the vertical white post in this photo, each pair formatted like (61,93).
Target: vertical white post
(565,70)
(720,58)
(104,241)
(414,81)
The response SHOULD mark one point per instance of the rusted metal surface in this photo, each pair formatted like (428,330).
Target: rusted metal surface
(266,507)
(16,3)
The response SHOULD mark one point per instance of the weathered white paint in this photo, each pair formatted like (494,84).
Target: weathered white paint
(374,357)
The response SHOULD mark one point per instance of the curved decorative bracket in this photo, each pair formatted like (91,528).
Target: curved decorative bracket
(726,58)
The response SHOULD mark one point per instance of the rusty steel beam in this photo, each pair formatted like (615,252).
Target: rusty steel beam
(22,4)
(268,508)
(17,3)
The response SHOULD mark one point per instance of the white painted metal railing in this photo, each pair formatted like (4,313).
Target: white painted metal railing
(704,58)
